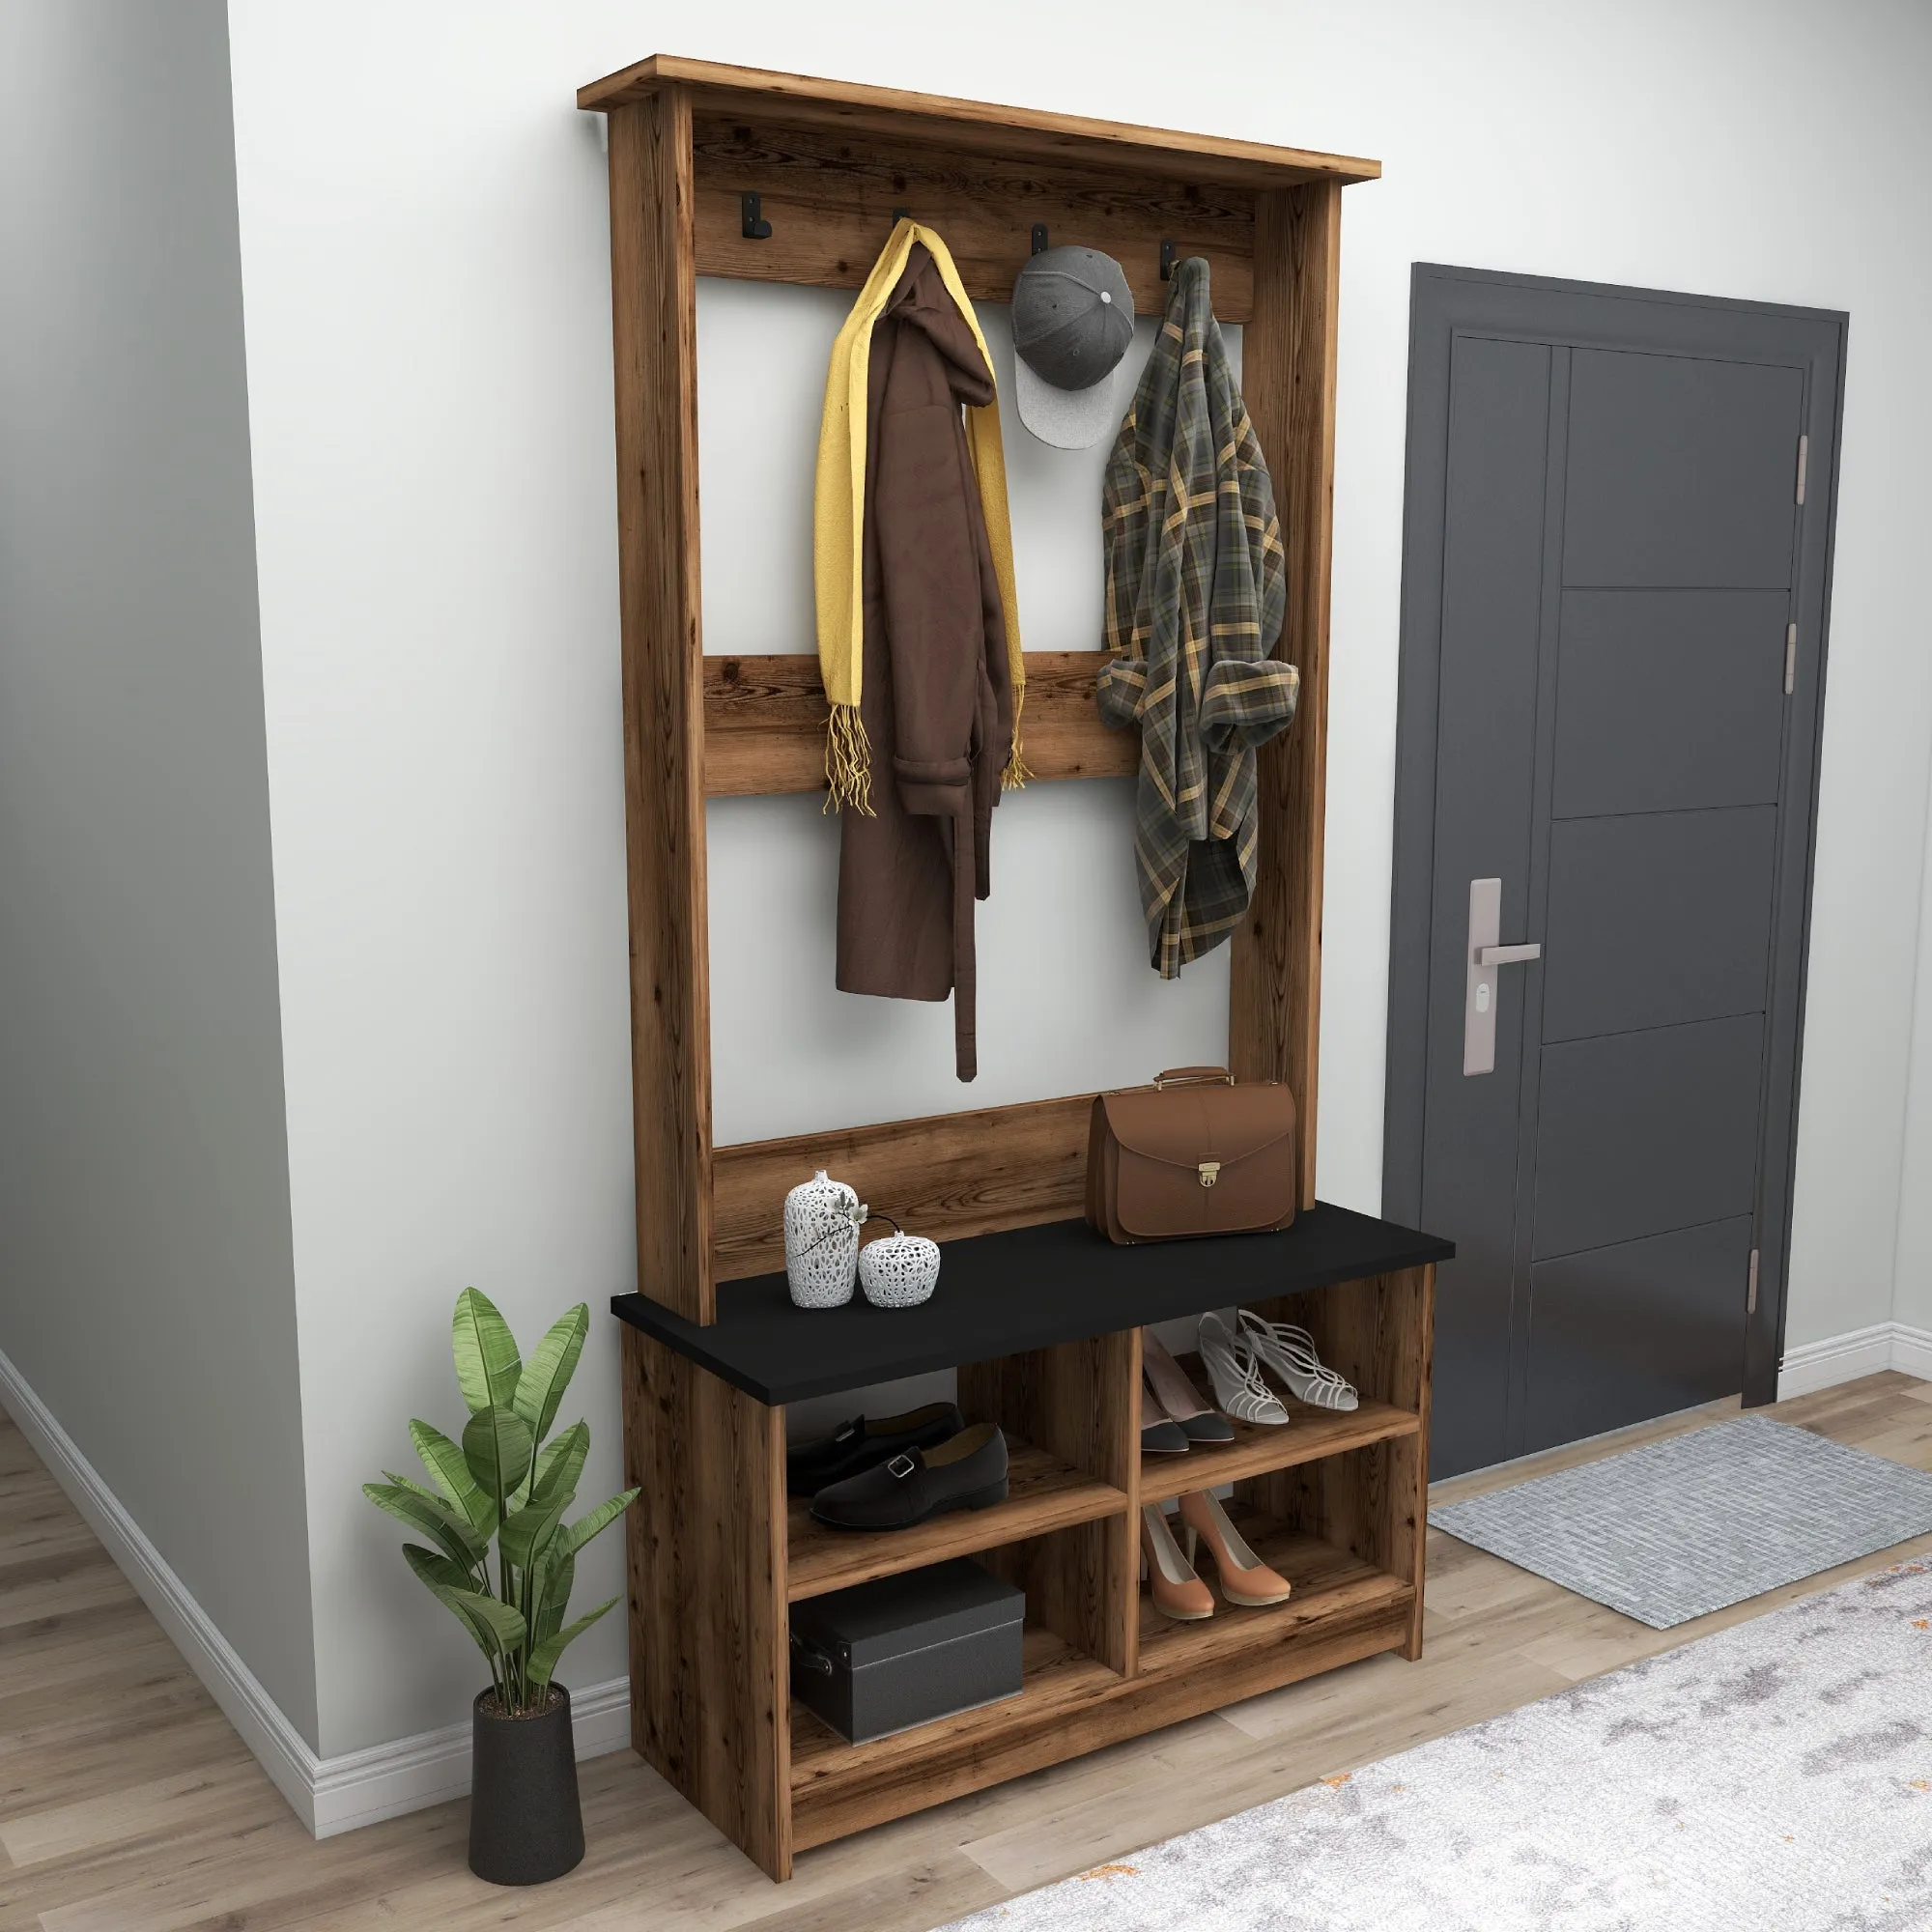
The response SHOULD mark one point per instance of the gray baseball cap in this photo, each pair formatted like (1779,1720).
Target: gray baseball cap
(1073,319)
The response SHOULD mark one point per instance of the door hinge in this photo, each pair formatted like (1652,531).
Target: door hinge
(1804,458)
(1751,1286)
(1790,658)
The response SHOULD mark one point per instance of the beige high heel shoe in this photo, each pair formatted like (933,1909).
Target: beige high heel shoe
(1178,1592)
(1245,1580)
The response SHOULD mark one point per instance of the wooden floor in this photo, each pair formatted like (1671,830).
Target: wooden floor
(126,1804)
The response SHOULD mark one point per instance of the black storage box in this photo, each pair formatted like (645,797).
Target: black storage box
(900,1651)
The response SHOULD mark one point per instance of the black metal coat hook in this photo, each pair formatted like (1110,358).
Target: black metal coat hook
(1166,259)
(751,223)
(1039,238)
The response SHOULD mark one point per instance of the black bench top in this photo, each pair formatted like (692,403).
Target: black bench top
(1001,1294)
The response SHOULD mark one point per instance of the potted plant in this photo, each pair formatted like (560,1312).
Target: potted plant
(506,1484)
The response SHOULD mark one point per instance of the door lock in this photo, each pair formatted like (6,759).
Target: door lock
(1486,954)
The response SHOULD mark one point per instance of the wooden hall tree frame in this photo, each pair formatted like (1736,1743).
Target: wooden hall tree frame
(830,164)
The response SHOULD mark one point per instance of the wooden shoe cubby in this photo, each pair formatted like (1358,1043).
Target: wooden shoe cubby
(1335,1501)
(1040,1317)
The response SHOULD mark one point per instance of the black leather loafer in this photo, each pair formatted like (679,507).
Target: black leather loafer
(967,1472)
(863,1444)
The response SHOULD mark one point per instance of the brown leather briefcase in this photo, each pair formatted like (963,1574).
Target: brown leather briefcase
(1195,1153)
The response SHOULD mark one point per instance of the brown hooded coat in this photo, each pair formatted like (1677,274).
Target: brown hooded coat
(936,700)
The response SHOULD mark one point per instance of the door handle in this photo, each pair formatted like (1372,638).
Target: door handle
(1486,954)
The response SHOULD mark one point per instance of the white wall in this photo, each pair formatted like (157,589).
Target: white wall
(146,1273)
(1912,1303)
(424,247)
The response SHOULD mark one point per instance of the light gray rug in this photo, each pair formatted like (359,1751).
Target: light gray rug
(1679,1528)
(1774,1777)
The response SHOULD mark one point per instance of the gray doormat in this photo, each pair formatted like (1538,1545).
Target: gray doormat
(1677,1529)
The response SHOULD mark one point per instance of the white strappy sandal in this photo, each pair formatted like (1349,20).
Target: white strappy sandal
(1290,1352)
(1239,1388)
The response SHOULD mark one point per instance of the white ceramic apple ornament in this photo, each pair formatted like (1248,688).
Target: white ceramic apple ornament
(898,1270)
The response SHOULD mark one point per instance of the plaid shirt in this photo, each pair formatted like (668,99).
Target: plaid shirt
(1196,589)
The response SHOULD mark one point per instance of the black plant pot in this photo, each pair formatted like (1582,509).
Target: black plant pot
(525,1824)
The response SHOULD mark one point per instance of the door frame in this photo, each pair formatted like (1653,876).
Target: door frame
(1447,302)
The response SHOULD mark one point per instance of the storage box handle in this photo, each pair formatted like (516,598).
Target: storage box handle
(1177,1076)
(810,1656)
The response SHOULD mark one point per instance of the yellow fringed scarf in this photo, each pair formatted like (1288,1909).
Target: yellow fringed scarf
(838,519)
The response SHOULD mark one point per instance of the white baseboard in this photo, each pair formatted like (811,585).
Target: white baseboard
(1912,1352)
(1863,1351)
(385,1781)
(329,1795)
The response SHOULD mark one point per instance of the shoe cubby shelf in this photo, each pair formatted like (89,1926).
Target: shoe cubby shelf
(1042,1493)
(1343,1609)
(1309,1434)
(1040,1317)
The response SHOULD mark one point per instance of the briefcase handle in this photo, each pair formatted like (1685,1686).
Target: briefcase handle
(1181,1076)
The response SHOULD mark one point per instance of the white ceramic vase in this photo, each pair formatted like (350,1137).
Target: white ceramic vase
(822,1217)
(899,1271)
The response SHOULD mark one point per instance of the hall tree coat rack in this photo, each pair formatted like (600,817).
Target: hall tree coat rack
(1040,1318)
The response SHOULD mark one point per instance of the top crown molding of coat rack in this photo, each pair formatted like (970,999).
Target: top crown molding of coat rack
(832,165)
(1012,134)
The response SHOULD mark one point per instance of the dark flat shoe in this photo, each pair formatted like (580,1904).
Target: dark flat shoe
(967,1472)
(864,1443)
(1205,1431)
(1159,1435)
(1166,1391)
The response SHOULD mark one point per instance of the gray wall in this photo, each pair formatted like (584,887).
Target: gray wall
(146,1274)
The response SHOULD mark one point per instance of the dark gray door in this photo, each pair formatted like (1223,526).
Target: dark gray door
(1612,663)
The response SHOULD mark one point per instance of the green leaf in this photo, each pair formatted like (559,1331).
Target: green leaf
(440,1577)
(438,1571)
(526,1530)
(487,1365)
(416,1488)
(562,1462)
(546,1374)
(544,1656)
(580,1532)
(415,1504)
(496,1447)
(498,1627)
(556,1577)
(432,1516)
(443,1460)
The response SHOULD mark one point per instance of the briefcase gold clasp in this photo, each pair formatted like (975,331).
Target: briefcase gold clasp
(1210,1171)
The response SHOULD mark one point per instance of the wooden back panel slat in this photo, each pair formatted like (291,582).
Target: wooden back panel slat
(949,1175)
(830,197)
(764,723)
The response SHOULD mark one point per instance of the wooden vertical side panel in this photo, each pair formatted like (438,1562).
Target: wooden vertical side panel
(1409,1470)
(705,1550)
(654,329)
(1080,1400)
(1287,362)
(1374,1501)
(1124,1389)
